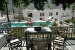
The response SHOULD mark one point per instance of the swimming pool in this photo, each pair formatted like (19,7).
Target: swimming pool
(23,24)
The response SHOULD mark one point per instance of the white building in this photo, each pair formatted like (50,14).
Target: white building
(55,13)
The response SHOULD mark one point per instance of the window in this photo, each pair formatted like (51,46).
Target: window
(50,14)
(62,14)
(56,13)
(41,14)
(29,14)
(67,14)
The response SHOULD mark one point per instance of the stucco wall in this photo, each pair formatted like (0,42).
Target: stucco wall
(62,14)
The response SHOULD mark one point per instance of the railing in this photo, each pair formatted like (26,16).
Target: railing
(68,31)
(63,31)
(18,32)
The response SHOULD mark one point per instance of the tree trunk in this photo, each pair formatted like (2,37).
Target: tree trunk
(7,14)
(19,14)
(13,8)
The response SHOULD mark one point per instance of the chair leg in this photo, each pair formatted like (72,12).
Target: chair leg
(21,48)
(9,48)
(24,43)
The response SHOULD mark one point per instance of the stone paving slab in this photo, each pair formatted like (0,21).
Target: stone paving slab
(70,42)
(71,47)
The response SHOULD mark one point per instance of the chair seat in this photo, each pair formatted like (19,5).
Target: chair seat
(15,43)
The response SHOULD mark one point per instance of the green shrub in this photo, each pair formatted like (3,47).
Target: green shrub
(73,22)
(54,24)
(68,20)
(43,24)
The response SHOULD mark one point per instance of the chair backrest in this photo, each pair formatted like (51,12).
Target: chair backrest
(8,39)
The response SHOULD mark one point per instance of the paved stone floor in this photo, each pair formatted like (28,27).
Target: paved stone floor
(70,45)
(70,42)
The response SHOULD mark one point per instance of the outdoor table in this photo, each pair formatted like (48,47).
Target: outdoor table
(39,35)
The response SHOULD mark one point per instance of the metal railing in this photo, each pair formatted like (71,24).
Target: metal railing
(68,31)
(63,31)
(19,32)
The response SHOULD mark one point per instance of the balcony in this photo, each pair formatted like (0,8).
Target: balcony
(66,32)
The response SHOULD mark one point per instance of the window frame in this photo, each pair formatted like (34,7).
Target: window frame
(56,13)
(30,15)
(50,14)
(41,14)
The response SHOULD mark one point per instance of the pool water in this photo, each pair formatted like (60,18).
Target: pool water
(23,24)
(18,24)
(38,23)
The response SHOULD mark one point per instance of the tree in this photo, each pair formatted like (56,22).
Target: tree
(20,3)
(65,3)
(3,7)
(39,4)
(17,4)
(73,8)
(73,22)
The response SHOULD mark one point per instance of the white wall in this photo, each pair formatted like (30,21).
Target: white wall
(36,14)
(25,13)
(67,14)
(59,13)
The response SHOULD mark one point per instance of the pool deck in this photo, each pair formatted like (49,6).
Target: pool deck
(27,21)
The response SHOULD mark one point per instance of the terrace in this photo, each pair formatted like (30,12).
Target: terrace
(66,32)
